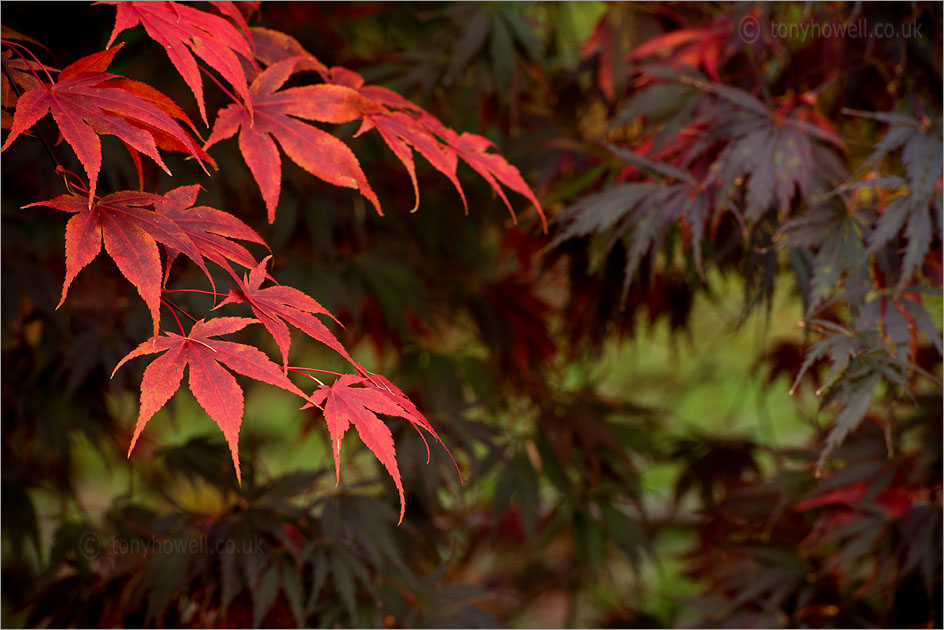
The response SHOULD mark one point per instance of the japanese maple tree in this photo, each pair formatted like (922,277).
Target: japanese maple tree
(87,101)
(688,374)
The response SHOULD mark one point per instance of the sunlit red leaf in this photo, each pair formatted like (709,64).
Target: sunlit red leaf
(85,104)
(183,32)
(275,117)
(280,305)
(129,231)
(403,125)
(353,399)
(211,384)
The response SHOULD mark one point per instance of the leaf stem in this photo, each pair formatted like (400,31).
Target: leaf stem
(174,306)
(299,369)
(17,48)
(301,373)
(172,312)
(79,183)
(194,291)
(219,85)
(42,139)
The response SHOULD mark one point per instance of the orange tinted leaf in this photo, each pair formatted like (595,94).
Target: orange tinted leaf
(274,306)
(275,117)
(94,63)
(212,385)
(129,231)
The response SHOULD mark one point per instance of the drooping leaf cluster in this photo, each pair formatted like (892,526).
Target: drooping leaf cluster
(582,505)
(86,102)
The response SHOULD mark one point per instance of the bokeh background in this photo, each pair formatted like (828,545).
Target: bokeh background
(628,460)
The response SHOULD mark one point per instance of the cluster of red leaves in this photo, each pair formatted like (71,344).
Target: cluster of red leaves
(271,114)
(86,101)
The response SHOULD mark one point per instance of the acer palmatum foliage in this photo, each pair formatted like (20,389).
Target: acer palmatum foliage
(86,102)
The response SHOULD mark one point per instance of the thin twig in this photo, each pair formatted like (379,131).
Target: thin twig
(172,305)
(194,291)
(177,319)
(308,376)
(52,156)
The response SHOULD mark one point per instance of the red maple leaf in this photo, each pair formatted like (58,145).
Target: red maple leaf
(473,149)
(402,133)
(402,125)
(210,230)
(689,47)
(230,10)
(129,231)
(183,32)
(275,115)
(22,71)
(169,107)
(272,46)
(214,388)
(354,399)
(274,306)
(84,103)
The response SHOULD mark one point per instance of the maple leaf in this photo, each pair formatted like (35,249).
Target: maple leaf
(210,230)
(774,150)
(355,399)
(692,47)
(402,125)
(922,158)
(474,151)
(316,151)
(213,386)
(271,47)
(169,107)
(84,104)
(230,10)
(442,147)
(129,231)
(402,132)
(22,71)
(644,210)
(274,306)
(183,32)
